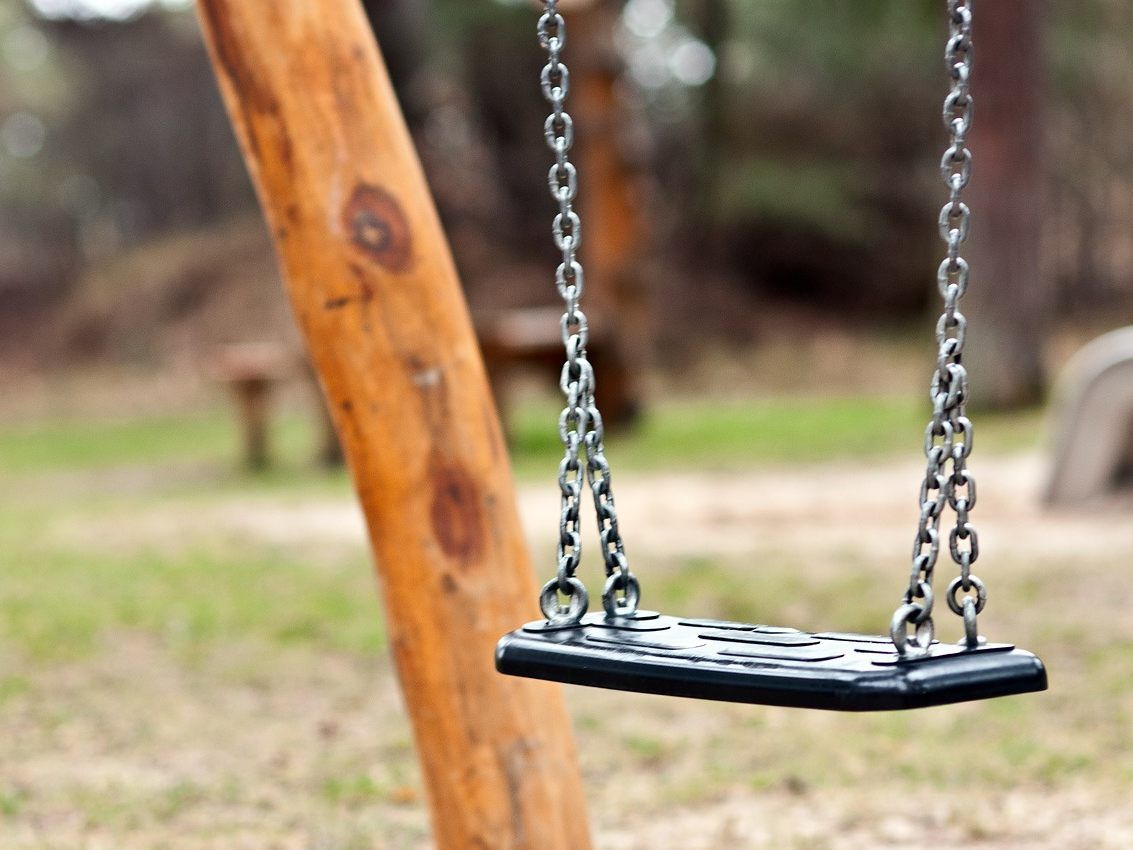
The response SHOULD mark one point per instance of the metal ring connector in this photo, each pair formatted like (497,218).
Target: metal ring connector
(923,636)
(972,638)
(554,611)
(627,605)
(958,605)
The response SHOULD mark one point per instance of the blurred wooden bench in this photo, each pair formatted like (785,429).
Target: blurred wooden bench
(529,338)
(252,372)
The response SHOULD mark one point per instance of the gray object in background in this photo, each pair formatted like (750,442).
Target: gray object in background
(1093,443)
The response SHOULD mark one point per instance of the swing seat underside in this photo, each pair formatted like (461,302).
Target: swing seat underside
(768,665)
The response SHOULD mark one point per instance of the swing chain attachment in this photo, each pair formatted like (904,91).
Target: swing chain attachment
(580,423)
(948,437)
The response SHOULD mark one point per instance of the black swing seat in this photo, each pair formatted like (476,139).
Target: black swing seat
(769,665)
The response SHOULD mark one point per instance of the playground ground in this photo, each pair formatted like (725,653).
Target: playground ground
(191,657)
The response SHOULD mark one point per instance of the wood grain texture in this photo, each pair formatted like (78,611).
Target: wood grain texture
(375,292)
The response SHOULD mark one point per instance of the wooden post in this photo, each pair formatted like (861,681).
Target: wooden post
(251,371)
(610,207)
(1009,303)
(252,395)
(377,297)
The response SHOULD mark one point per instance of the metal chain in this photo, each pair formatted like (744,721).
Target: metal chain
(580,423)
(948,437)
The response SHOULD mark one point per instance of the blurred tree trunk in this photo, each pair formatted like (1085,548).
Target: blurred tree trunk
(402,29)
(711,20)
(1010,303)
(610,205)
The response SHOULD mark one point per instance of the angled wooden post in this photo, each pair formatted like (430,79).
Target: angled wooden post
(376,295)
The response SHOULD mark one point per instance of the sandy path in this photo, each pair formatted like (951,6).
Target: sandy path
(820,512)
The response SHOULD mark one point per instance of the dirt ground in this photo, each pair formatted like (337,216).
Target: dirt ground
(138,747)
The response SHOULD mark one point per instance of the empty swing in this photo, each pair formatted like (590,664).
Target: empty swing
(629,649)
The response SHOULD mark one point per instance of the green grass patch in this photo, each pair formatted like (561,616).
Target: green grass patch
(11,801)
(12,687)
(353,791)
(648,749)
(88,573)
(778,590)
(202,589)
(1074,732)
(704,433)
(780,430)
(67,604)
(100,444)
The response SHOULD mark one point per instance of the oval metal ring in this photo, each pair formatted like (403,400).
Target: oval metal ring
(553,609)
(924,592)
(898,626)
(909,614)
(957,605)
(626,582)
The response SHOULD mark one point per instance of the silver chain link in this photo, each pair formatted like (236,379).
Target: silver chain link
(580,423)
(948,437)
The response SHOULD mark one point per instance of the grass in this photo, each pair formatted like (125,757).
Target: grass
(767,430)
(117,442)
(114,544)
(779,430)
(782,589)
(186,461)
(189,600)
(202,589)
(776,429)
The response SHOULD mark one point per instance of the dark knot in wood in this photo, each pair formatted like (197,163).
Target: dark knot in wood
(457,516)
(377,225)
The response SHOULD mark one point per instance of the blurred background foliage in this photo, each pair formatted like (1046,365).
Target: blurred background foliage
(785,154)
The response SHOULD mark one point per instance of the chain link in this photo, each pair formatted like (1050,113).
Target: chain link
(580,423)
(948,438)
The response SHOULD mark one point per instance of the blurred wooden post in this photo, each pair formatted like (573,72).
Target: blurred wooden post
(1009,303)
(609,205)
(251,371)
(329,451)
(376,295)
(252,394)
